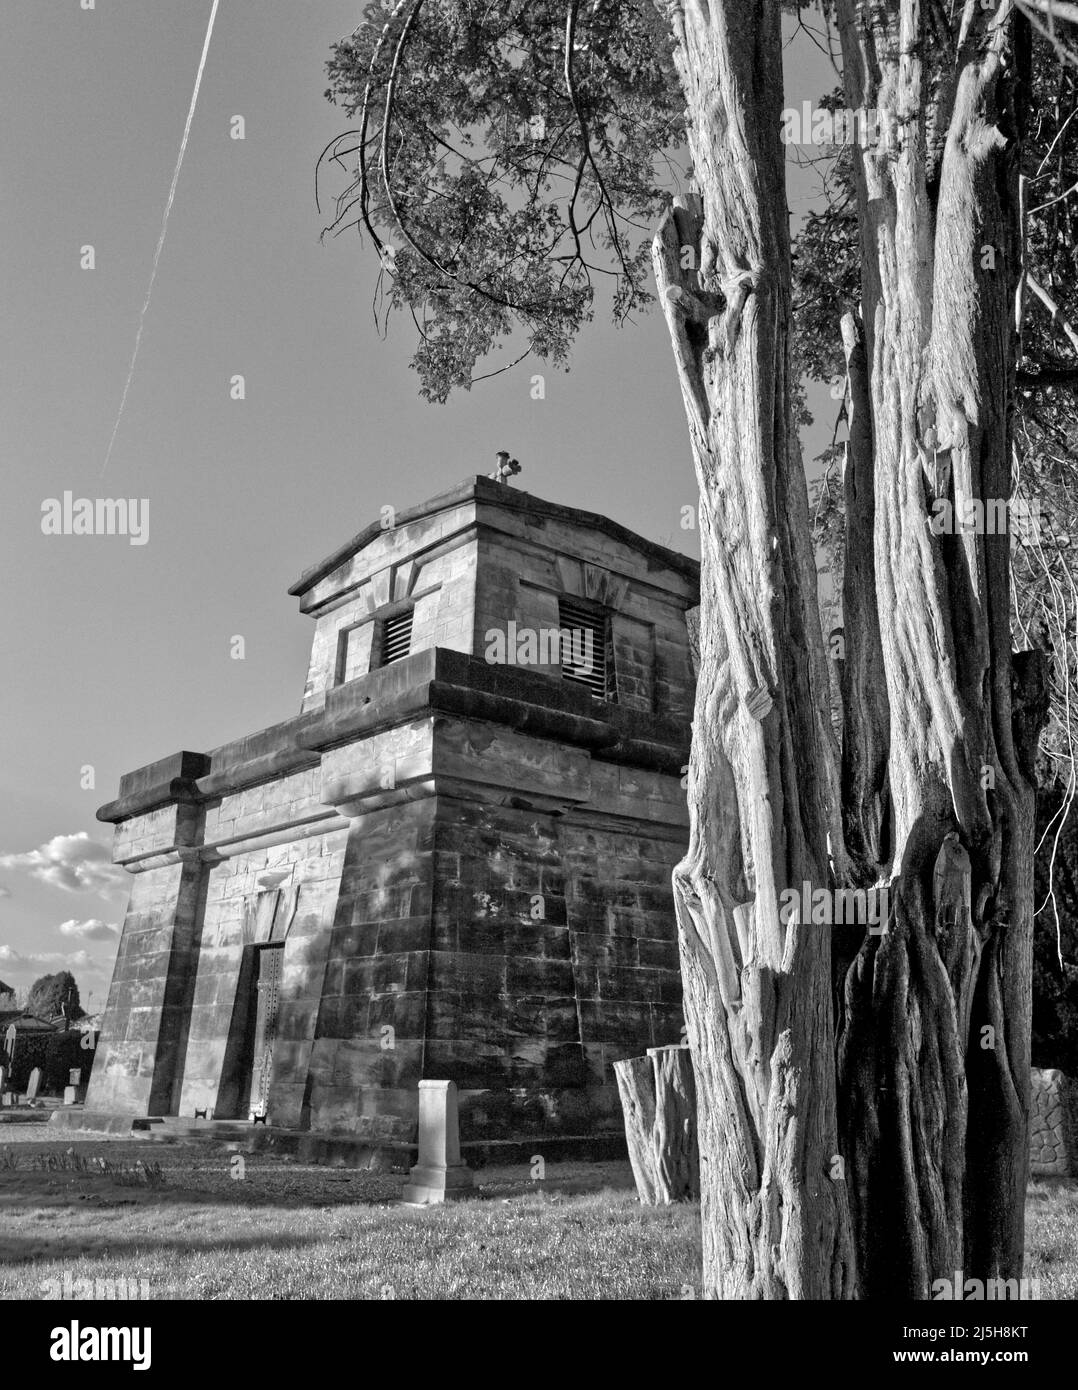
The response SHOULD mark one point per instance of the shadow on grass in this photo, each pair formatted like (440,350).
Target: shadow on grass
(19,1250)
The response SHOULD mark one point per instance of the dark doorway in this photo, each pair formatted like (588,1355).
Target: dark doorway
(247,1070)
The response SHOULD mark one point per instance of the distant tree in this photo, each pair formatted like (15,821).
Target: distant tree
(53,995)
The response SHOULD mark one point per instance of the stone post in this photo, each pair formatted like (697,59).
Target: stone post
(440,1175)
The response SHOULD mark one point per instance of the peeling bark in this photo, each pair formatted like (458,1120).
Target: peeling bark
(757,990)
(934,799)
(940,336)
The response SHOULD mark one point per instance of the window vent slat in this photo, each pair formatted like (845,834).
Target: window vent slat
(396,637)
(587,656)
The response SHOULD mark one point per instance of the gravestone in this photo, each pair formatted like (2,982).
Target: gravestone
(3,1079)
(1053,1124)
(440,1175)
(74,1091)
(33,1085)
(9,1042)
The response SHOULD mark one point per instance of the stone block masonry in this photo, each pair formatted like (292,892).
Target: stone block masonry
(441,868)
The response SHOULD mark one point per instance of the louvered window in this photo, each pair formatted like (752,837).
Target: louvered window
(396,637)
(587,652)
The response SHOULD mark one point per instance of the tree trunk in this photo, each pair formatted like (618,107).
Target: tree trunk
(888,1156)
(934,1108)
(658,1101)
(762,776)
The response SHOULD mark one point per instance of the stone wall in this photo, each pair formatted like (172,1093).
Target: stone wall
(482,558)
(521,578)
(439,582)
(1053,1125)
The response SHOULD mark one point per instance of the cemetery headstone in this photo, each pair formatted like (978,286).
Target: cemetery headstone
(74,1091)
(440,1175)
(33,1085)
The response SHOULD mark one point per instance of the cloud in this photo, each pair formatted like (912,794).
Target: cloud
(93,929)
(4,892)
(89,929)
(72,862)
(84,961)
(50,960)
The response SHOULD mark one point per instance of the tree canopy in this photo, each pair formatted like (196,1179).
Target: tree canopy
(54,995)
(506,157)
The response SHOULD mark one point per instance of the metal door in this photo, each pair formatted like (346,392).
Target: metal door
(267,1007)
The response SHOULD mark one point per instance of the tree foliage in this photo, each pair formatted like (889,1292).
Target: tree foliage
(54,995)
(506,157)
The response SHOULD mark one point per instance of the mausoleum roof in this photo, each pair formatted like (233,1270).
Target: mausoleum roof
(502,495)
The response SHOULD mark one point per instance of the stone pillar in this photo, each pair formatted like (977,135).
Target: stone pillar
(144,1029)
(440,1175)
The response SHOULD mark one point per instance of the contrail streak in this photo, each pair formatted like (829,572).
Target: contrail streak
(164,229)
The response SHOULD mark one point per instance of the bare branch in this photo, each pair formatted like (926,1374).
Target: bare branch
(1054,9)
(1053,308)
(585,136)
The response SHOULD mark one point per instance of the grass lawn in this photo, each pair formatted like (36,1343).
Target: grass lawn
(197,1230)
(1052,1237)
(290,1231)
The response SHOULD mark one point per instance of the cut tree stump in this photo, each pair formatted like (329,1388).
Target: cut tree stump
(658,1102)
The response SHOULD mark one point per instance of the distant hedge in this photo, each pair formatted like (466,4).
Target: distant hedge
(56,1054)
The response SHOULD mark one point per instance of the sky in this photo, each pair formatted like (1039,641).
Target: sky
(117,654)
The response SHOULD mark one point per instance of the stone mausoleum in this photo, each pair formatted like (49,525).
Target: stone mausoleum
(453,863)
